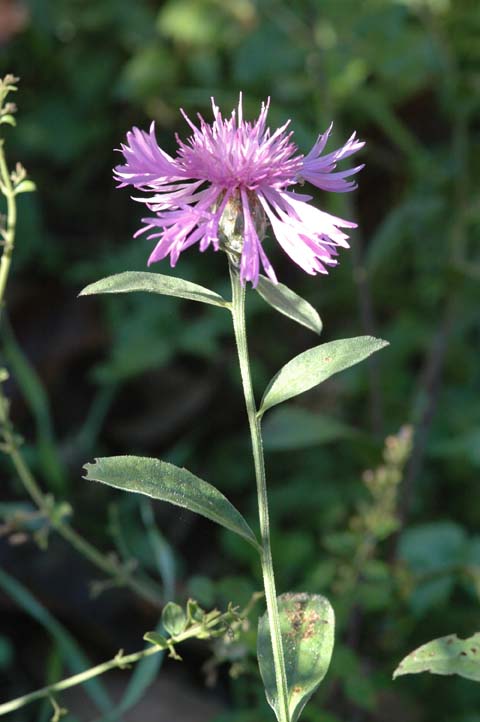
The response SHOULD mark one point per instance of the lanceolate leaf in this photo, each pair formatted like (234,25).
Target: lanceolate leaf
(286,301)
(154,283)
(446,655)
(317,364)
(166,482)
(307,625)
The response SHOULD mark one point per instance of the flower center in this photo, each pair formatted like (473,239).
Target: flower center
(240,157)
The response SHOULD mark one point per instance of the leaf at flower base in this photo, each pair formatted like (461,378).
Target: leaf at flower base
(154,283)
(446,655)
(166,482)
(311,367)
(286,301)
(307,625)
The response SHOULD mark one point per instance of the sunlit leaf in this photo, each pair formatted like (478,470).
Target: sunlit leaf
(286,301)
(311,367)
(166,482)
(446,655)
(154,283)
(307,625)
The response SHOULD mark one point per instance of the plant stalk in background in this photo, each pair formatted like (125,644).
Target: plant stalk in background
(11,185)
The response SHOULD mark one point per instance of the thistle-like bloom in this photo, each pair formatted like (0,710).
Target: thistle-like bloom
(237,169)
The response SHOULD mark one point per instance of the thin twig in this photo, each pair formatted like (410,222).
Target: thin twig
(202,629)
(11,444)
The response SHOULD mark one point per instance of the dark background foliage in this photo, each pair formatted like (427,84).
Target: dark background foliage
(158,376)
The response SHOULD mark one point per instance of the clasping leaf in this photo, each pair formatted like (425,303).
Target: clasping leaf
(307,624)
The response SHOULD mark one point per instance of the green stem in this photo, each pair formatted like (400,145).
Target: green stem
(116,662)
(11,447)
(238,312)
(120,661)
(9,239)
(44,503)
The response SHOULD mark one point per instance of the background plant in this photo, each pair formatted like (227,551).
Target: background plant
(405,76)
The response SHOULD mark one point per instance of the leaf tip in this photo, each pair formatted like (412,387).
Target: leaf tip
(87,291)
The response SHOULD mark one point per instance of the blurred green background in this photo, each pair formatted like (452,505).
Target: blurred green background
(396,550)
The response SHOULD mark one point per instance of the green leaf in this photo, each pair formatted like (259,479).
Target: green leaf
(307,625)
(286,301)
(173,619)
(433,552)
(154,283)
(157,639)
(8,119)
(446,655)
(311,367)
(164,481)
(26,186)
(293,427)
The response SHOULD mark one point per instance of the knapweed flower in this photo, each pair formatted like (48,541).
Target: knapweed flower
(241,170)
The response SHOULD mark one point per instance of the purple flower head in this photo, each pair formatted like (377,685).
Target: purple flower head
(227,181)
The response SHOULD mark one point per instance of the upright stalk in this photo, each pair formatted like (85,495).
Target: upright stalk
(238,312)
(9,440)
(9,233)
